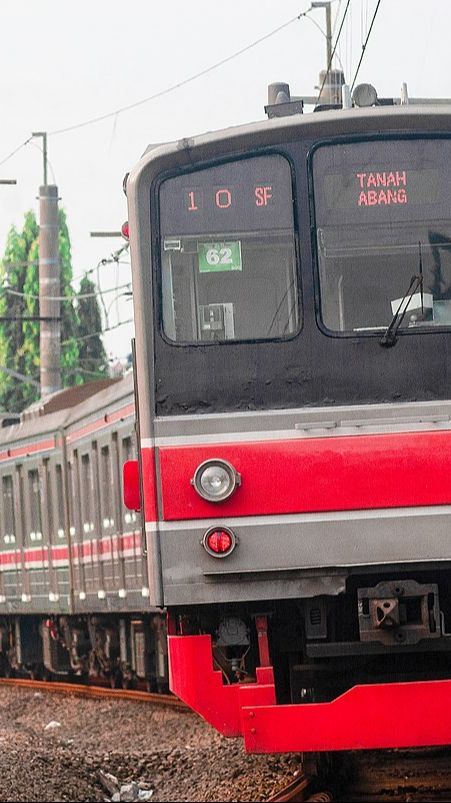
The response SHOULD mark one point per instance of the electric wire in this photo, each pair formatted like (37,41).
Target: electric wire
(16,150)
(179,84)
(72,298)
(365,44)
(97,334)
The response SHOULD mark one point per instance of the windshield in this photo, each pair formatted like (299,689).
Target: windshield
(228,254)
(383,215)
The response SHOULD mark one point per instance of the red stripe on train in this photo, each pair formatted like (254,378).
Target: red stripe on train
(314,474)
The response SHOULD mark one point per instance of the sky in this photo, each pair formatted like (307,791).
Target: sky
(62,64)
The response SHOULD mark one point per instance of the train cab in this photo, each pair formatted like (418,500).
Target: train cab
(292,292)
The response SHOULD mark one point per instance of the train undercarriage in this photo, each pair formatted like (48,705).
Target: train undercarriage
(310,673)
(124,651)
(322,646)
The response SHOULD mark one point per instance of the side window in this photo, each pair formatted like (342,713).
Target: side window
(9,535)
(87,517)
(72,496)
(60,523)
(34,491)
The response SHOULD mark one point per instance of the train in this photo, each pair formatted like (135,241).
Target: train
(292,301)
(74,597)
(258,516)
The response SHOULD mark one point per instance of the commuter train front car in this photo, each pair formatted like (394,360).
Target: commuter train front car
(292,291)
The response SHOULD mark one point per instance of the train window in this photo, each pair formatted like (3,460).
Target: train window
(383,216)
(34,490)
(228,253)
(9,535)
(107,490)
(87,489)
(60,523)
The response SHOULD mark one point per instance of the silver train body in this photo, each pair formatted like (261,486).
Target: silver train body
(74,596)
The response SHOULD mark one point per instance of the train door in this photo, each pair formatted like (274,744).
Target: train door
(93,517)
(35,536)
(134,560)
(19,507)
(118,517)
(10,578)
(77,527)
(108,515)
(60,538)
(47,525)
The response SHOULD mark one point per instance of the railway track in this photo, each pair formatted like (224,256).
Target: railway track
(81,690)
(300,791)
(377,776)
(423,774)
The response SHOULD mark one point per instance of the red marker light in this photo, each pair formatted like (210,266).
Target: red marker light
(219,541)
(125,230)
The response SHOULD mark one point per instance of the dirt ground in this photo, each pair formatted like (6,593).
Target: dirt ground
(53,747)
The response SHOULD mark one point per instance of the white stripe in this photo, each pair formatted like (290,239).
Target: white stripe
(254,436)
(304,518)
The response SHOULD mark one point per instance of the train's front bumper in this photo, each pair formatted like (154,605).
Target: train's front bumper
(385,715)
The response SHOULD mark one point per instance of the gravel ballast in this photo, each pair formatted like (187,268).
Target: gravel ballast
(57,748)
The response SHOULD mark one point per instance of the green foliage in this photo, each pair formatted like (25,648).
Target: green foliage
(14,351)
(19,342)
(92,356)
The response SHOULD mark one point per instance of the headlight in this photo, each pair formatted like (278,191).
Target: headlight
(215,480)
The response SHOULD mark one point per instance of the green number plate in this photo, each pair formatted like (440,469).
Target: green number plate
(214,257)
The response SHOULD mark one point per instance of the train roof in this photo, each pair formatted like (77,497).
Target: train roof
(76,409)
(66,398)
(333,122)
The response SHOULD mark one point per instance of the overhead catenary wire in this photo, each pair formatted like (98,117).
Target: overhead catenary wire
(182,83)
(171,88)
(13,153)
(98,334)
(74,297)
(365,44)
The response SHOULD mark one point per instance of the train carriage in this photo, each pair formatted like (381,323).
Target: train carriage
(292,294)
(74,599)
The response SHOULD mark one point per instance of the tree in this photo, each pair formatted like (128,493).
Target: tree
(19,292)
(92,357)
(13,273)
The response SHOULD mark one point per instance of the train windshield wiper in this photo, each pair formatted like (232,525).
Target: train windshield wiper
(389,337)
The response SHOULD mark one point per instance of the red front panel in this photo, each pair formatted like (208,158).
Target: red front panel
(373,716)
(314,474)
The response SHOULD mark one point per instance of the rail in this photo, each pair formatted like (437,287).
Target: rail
(58,687)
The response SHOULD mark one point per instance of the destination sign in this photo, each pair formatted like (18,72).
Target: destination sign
(246,195)
(377,187)
(399,179)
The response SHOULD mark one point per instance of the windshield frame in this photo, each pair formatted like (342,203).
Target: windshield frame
(374,333)
(157,248)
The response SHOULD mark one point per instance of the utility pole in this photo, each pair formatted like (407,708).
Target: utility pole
(326,4)
(49,283)
(330,80)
